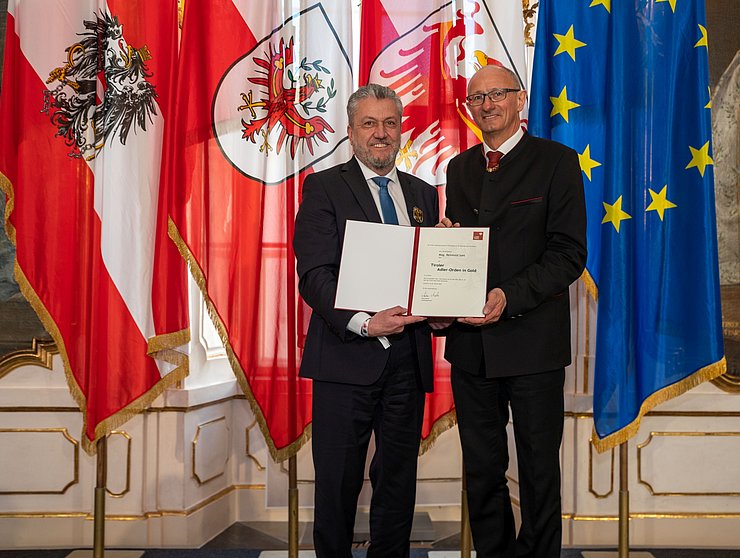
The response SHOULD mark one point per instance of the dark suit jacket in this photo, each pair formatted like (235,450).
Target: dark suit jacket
(534,206)
(333,353)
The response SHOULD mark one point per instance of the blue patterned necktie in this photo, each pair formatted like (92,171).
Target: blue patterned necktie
(386,203)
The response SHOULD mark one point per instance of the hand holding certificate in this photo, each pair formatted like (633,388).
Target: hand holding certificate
(430,271)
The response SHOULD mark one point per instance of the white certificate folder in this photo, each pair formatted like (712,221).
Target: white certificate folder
(430,271)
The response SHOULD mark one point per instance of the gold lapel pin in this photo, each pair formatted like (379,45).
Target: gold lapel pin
(418,215)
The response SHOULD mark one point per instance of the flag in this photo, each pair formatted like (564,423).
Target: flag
(262,92)
(83,107)
(427,52)
(625,84)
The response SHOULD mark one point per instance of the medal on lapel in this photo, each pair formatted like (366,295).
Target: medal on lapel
(418,215)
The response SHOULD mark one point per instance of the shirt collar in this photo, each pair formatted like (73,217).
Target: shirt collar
(508,145)
(369,174)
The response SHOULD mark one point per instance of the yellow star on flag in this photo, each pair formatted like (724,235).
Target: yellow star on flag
(561,104)
(709,104)
(586,162)
(614,213)
(606,3)
(700,158)
(671,2)
(703,40)
(659,202)
(568,43)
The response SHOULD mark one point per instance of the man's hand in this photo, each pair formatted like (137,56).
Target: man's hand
(495,304)
(445,222)
(390,321)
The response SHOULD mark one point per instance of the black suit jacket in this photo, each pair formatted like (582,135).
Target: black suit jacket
(534,206)
(331,197)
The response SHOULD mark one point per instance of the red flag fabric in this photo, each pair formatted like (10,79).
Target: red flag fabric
(426,51)
(261,99)
(83,107)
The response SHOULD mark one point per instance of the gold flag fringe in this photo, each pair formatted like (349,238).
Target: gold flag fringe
(164,346)
(278,454)
(669,392)
(440,426)
(7,187)
(590,285)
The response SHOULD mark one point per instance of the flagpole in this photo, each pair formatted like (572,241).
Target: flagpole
(624,503)
(101,482)
(99,509)
(623,551)
(292,507)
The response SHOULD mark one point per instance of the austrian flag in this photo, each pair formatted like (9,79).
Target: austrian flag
(83,107)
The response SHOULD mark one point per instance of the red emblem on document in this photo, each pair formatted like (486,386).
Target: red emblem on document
(477,235)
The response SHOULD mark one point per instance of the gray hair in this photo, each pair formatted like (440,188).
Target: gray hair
(375,91)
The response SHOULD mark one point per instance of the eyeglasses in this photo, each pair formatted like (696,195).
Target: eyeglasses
(494,95)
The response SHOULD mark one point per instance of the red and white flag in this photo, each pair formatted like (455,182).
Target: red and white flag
(426,52)
(84,102)
(262,92)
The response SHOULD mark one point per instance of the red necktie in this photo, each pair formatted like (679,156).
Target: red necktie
(493,158)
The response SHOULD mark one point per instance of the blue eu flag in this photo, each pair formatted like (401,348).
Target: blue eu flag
(625,84)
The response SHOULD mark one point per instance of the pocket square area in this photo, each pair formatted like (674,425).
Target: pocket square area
(527,201)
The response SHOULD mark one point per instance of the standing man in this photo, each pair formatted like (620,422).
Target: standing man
(369,372)
(529,191)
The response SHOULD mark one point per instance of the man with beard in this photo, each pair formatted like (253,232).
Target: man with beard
(529,191)
(369,373)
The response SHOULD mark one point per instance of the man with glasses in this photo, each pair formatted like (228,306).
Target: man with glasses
(529,191)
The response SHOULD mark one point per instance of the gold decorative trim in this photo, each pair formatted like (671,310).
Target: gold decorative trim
(728,383)
(278,454)
(195,443)
(591,488)
(127,488)
(148,515)
(284,470)
(669,392)
(256,461)
(709,414)
(41,354)
(201,505)
(76,452)
(656,434)
(528,13)
(667,515)
(7,187)
(177,409)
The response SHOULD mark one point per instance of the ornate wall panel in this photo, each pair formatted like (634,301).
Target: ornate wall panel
(211,450)
(42,461)
(689,464)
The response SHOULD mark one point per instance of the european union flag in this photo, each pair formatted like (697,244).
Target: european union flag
(625,84)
